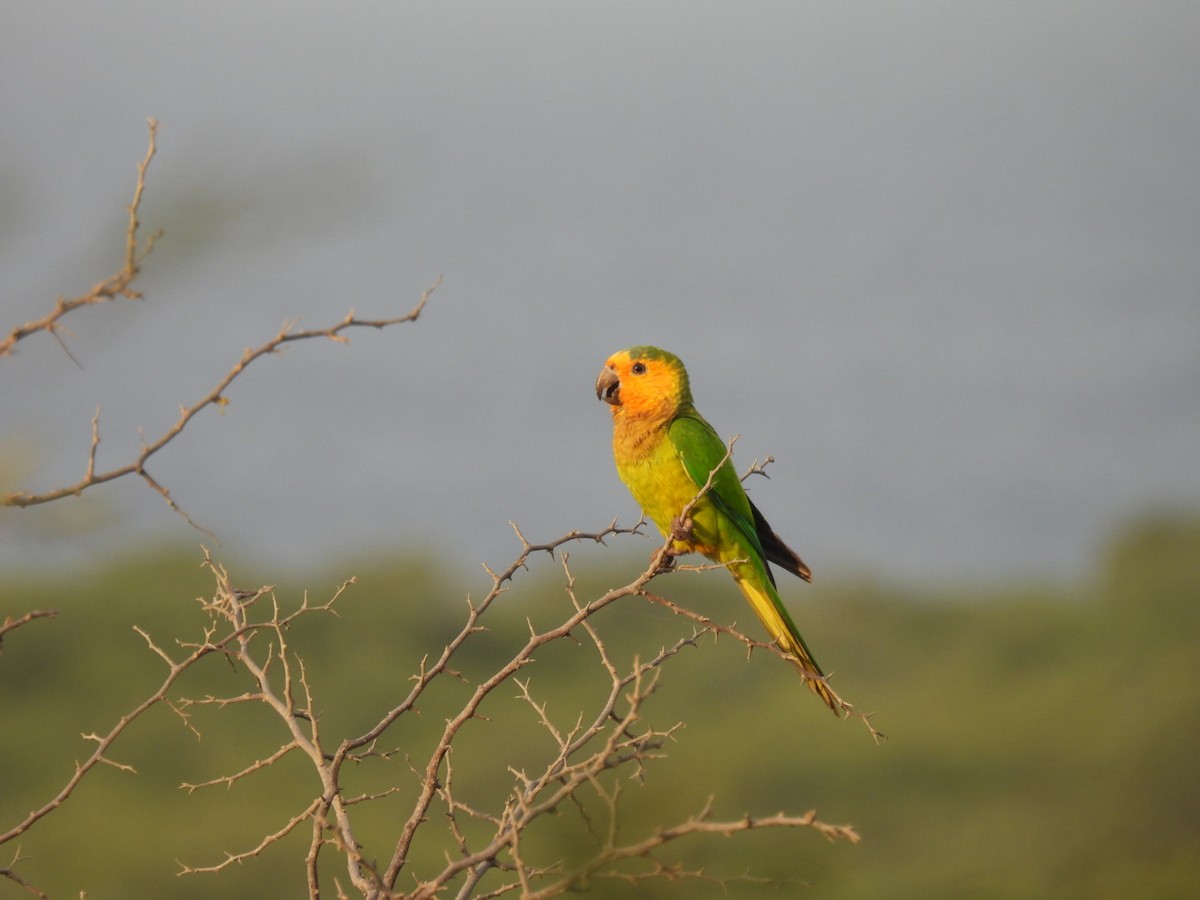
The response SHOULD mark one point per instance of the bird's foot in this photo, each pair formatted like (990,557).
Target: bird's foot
(680,539)
(681,529)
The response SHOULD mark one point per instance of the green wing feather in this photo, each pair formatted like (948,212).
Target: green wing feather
(701,451)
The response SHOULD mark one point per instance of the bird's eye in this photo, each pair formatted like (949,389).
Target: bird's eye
(639,368)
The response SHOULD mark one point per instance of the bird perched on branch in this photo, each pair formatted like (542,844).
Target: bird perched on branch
(665,453)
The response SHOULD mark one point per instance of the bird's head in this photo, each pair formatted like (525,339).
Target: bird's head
(644,381)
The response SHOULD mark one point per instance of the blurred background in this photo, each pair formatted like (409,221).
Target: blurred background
(938,259)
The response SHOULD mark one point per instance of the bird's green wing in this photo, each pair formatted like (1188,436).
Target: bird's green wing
(701,451)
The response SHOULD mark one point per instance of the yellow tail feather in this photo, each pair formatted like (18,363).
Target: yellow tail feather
(784,633)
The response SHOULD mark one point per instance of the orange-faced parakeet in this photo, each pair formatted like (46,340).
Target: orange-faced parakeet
(665,451)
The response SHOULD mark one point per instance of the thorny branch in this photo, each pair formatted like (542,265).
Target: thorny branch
(118,285)
(12,624)
(607,738)
(251,629)
(215,397)
(11,874)
(103,742)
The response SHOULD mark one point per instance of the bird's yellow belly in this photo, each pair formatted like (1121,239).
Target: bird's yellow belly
(662,488)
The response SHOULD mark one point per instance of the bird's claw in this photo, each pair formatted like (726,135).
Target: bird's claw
(681,529)
(679,540)
(667,563)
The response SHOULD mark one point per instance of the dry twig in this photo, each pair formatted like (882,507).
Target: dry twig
(118,285)
(214,397)
(11,624)
(251,628)
(602,740)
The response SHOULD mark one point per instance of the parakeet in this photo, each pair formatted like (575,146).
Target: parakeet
(664,451)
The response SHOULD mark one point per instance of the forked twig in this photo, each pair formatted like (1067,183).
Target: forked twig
(118,285)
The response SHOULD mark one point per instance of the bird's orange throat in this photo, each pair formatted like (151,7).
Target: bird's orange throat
(645,405)
(639,430)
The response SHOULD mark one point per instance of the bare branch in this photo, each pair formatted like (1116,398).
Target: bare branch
(696,825)
(229,780)
(593,749)
(11,624)
(9,872)
(522,658)
(329,810)
(119,285)
(116,286)
(232,858)
(105,741)
(215,397)
(757,468)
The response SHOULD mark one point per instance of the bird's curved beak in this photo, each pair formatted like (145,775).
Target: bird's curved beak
(608,386)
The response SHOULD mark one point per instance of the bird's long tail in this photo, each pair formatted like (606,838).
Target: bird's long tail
(783,631)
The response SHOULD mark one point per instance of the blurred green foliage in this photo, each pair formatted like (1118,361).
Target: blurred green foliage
(1042,739)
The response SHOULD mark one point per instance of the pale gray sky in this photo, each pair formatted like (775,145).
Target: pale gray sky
(939,259)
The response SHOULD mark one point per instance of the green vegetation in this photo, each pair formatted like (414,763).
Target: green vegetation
(1042,740)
